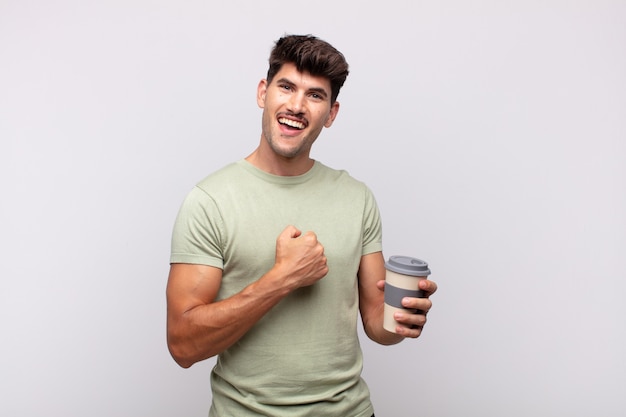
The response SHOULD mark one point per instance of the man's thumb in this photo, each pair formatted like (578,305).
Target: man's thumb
(291,232)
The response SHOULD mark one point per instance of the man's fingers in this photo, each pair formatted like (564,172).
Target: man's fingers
(429,287)
(421,304)
(290,232)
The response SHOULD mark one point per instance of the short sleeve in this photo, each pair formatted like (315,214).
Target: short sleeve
(198,232)
(372,225)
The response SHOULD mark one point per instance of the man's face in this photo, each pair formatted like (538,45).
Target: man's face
(296,106)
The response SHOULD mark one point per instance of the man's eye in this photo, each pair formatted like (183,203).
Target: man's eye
(285,87)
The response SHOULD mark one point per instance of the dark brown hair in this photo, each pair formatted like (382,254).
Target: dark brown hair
(313,55)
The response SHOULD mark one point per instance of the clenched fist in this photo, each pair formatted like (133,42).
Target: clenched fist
(300,257)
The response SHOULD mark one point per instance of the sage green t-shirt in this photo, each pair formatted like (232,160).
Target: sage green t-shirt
(303,357)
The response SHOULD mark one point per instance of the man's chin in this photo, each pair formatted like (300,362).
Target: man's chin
(287,153)
(287,150)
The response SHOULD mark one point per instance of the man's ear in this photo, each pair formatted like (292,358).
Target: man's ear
(334,109)
(261,90)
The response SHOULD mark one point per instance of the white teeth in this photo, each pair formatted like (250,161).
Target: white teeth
(291,123)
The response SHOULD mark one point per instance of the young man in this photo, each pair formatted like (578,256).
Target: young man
(274,255)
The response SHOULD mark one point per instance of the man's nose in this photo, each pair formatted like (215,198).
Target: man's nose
(296,103)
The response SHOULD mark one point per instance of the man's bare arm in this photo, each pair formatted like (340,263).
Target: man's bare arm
(198,327)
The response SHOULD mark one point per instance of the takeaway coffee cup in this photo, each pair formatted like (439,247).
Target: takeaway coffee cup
(401,280)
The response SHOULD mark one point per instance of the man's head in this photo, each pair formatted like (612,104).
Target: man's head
(312,55)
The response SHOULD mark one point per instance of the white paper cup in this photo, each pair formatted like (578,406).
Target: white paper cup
(401,280)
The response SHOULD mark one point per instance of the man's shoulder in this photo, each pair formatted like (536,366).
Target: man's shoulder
(221,177)
(340,176)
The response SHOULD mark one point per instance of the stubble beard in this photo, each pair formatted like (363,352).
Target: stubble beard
(289,153)
(297,148)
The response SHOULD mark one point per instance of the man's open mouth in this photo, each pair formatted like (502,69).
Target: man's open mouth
(294,124)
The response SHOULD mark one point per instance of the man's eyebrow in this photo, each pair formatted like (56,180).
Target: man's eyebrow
(284,81)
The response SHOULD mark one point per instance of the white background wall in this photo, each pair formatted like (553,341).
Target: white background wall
(492,133)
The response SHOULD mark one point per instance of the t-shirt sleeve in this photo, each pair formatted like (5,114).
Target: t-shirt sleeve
(372,225)
(198,232)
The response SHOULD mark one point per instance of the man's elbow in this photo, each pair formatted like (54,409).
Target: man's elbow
(180,354)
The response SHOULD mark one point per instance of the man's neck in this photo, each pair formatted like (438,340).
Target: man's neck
(278,165)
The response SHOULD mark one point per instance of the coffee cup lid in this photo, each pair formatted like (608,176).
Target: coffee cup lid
(407,265)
